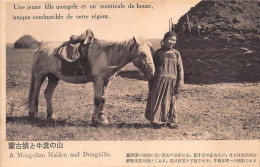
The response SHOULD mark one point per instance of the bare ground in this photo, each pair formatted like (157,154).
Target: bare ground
(221,111)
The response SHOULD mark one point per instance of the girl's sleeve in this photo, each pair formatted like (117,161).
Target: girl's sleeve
(180,71)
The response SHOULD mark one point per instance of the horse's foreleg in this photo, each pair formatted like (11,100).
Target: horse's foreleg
(52,84)
(99,116)
(103,114)
(33,106)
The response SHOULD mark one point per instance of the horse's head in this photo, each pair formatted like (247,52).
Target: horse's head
(143,58)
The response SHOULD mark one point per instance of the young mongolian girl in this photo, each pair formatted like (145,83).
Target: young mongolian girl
(163,89)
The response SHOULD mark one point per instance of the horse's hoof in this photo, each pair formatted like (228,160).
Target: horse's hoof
(52,117)
(103,119)
(32,115)
(98,122)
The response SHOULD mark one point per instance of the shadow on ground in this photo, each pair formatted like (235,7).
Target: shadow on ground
(131,75)
(51,123)
(42,122)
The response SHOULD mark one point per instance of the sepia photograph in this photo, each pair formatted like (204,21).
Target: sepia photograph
(122,72)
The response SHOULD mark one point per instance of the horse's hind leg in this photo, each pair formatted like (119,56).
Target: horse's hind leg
(33,106)
(52,84)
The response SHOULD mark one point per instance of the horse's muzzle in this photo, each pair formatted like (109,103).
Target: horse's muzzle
(150,76)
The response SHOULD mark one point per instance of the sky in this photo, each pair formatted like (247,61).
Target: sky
(122,24)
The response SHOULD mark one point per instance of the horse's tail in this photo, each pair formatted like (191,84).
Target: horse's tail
(31,87)
(28,101)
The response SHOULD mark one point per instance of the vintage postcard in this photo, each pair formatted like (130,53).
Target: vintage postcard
(130,83)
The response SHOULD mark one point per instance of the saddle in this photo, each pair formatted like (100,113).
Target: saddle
(72,62)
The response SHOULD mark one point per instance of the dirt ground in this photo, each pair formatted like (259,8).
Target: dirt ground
(221,111)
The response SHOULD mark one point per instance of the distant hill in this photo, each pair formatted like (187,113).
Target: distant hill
(26,41)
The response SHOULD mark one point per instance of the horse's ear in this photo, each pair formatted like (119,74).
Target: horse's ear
(152,50)
(134,40)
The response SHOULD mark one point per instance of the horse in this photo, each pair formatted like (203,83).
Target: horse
(105,59)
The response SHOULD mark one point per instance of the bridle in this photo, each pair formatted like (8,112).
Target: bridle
(145,64)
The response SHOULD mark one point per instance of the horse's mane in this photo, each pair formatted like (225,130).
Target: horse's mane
(119,50)
(118,47)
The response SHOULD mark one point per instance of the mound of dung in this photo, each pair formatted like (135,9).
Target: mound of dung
(221,43)
(215,16)
(26,41)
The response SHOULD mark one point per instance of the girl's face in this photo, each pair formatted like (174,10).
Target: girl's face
(170,42)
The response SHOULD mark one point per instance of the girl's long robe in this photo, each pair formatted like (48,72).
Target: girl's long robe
(163,88)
